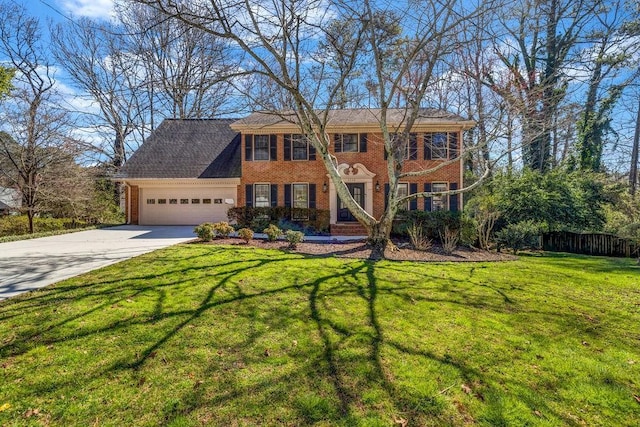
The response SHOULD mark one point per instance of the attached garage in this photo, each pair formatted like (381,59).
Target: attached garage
(185,202)
(186,173)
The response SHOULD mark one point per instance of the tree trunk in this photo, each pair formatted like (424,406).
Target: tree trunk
(30,219)
(378,238)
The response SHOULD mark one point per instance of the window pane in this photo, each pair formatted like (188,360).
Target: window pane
(300,201)
(403,191)
(439,145)
(439,203)
(349,142)
(300,147)
(261,147)
(262,192)
(300,196)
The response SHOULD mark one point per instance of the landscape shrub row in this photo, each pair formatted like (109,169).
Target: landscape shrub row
(308,221)
(15,225)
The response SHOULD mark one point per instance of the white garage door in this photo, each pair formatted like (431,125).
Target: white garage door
(185,206)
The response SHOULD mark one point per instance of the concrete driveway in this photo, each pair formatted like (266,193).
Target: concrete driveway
(31,264)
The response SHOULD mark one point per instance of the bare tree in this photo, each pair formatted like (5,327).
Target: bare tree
(185,69)
(280,41)
(94,56)
(38,128)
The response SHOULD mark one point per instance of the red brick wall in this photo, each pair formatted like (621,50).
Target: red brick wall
(133,202)
(286,172)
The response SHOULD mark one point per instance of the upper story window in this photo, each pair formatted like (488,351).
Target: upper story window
(440,145)
(350,142)
(409,149)
(260,147)
(298,147)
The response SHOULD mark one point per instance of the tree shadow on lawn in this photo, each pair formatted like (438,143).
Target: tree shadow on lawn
(351,356)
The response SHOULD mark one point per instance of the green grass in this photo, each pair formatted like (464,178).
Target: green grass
(237,336)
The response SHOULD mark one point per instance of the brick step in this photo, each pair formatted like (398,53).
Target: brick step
(348,229)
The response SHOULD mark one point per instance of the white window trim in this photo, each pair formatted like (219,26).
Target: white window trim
(445,199)
(255,194)
(342,142)
(293,140)
(253,146)
(293,200)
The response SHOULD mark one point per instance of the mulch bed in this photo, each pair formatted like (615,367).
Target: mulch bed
(359,249)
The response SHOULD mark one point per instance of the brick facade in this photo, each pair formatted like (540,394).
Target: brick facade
(281,172)
(132,196)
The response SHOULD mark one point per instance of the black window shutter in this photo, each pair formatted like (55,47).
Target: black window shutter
(427,147)
(248,195)
(413,147)
(386,195)
(273,147)
(312,196)
(363,142)
(413,203)
(287,195)
(312,151)
(287,147)
(453,145)
(248,148)
(453,198)
(337,143)
(274,195)
(427,200)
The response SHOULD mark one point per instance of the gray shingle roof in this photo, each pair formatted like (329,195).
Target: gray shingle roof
(192,148)
(355,116)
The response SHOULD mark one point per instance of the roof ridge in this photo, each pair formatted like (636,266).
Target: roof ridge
(208,119)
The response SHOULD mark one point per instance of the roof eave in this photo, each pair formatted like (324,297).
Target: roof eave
(293,128)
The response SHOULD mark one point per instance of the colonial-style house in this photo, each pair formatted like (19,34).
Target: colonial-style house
(192,171)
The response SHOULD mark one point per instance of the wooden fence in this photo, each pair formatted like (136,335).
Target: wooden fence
(590,244)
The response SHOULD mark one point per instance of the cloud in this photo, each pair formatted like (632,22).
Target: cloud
(97,9)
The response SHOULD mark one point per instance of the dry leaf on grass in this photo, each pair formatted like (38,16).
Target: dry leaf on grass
(400,421)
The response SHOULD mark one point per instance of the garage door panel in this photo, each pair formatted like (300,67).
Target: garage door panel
(185,206)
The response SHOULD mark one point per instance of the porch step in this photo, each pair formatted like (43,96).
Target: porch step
(348,229)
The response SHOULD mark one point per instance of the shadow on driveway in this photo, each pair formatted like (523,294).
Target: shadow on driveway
(32,264)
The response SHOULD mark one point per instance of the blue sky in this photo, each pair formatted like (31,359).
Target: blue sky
(58,9)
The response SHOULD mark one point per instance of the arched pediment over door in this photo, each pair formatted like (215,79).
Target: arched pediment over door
(352,174)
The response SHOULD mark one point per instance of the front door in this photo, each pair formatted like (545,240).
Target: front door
(357,191)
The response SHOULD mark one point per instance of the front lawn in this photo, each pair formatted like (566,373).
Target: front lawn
(237,336)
